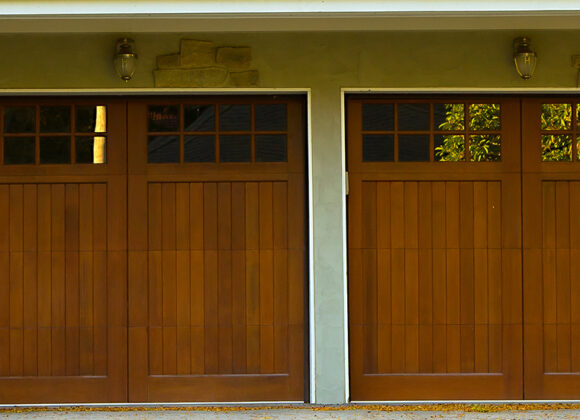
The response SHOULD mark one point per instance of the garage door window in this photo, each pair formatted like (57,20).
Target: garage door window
(559,127)
(217,133)
(44,134)
(431,132)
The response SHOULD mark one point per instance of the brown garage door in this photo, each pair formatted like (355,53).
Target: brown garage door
(207,271)
(216,250)
(435,249)
(63,251)
(551,256)
(436,211)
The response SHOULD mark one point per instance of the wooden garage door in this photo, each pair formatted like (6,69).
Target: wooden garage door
(435,282)
(551,247)
(216,249)
(62,251)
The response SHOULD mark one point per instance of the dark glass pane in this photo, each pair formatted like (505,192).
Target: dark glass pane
(199,149)
(485,148)
(235,149)
(557,148)
(271,148)
(18,150)
(448,117)
(91,119)
(163,118)
(377,117)
(19,119)
(235,117)
(199,117)
(270,117)
(484,117)
(556,116)
(55,149)
(91,150)
(163,149)
(378,148)
(414,148)
(449,148)
(55,119)
(413,117)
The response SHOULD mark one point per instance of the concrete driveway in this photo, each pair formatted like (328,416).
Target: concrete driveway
(350,412)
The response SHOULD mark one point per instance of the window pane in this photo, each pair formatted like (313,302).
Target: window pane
(376,117)
(91,119)
(199,117)
(449,148)
(235,117)
(484,117)
(485,148)
(91,150)
(448,117)
(414,148)
(163,149)
(271,148)
(270,117)
(163,118)
(18,150)
(557,148)
(378,148)
(413,117)
(199,149)
(556,116)
(55,149)
(55,119)
(235,149)
(19,119)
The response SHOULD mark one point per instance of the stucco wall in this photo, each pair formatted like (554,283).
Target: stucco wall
(324,62)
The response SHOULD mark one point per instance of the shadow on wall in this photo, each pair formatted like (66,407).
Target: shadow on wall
(202,64)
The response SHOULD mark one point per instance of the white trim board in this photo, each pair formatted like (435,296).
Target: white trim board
(295,21)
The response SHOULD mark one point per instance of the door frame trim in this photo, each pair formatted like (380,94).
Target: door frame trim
(127,92)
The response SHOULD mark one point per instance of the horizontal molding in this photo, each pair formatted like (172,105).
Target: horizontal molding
(60,21)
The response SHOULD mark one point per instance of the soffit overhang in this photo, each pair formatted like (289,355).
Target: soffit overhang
(28,16)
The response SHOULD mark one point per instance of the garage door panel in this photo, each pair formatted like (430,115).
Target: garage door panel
(225,266)
(551,201)
(434,260)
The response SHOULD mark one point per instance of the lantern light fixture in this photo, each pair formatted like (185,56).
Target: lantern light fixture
(125,60)
(524,57)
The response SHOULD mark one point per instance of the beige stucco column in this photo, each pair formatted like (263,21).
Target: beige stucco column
(328,284)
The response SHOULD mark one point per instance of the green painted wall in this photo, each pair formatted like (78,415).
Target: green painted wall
(324,62)
(385,59)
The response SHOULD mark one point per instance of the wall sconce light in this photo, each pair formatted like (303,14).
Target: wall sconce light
(125,60)
(524,57)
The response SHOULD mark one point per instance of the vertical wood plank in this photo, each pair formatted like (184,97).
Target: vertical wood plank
(383,215)
(369,260)
(58,294)
(72,279)
(44,279)
(197,306)
(210,239)
(183,295)
(252,230)
(384,310)
(86,309)
(30,304)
